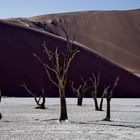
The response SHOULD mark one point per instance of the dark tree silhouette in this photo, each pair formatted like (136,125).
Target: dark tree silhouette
(40,101)
(0,116)
(80,91)
(59,68)
(108,96)
(95,83)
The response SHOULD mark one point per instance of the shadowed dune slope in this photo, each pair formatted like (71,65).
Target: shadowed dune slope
(113,34)
(17,64)
(112,46)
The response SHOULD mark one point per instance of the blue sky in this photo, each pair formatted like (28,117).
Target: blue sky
(28,8)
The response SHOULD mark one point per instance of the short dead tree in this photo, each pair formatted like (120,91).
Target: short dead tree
(95,83)
(60,69)
(80,91)
(108,97)
(40,101)
(102,97)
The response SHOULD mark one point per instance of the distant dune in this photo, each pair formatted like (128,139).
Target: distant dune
(109,42)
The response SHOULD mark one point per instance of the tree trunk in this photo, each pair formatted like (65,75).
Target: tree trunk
(94,96)
(107,118)
(101,104)
(79,100)
(43,101)
(96,104)
(42,105)
(95,101)
(63,114)
(0,116)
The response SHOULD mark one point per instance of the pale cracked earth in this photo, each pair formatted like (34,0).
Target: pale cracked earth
(21,121)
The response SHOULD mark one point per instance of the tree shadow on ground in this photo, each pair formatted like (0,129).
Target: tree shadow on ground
(109,123)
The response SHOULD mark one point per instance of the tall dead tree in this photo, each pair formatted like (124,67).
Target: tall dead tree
(80,91)
(40,101)
(59,68)
(95,83)
(108,96)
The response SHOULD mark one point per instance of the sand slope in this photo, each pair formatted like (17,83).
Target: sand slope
(114,34)
(112,46)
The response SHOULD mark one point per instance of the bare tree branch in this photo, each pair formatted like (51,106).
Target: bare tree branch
(37,99)
(114,87)
(95,82)
(29,91)
(46,68)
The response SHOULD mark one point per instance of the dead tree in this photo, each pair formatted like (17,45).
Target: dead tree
(40,105)
(59,68)
(77,92)
(80,91)
(103,95)
(108,96)
(95,83)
